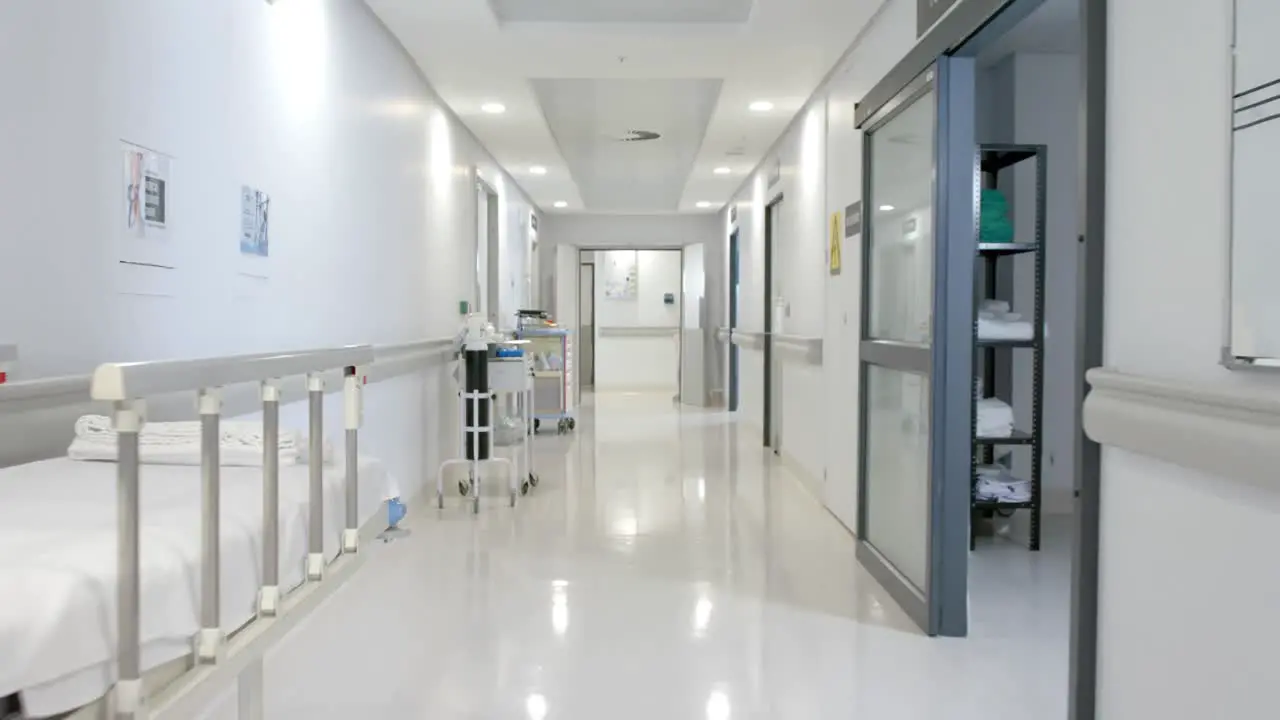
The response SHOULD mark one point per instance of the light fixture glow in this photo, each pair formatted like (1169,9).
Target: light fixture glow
(887,208)
(536,706)
(538,170)
(761,106)
(704,204)
(561,204)
(494,108)
(718,706)
(722,171)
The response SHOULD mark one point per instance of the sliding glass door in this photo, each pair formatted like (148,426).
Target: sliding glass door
(913,456)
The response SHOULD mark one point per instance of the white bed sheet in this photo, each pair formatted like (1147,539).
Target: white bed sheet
(58,565)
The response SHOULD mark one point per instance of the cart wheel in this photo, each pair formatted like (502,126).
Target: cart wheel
(533,480)
(537,425)
(524,489)
(573,423)
(464,488)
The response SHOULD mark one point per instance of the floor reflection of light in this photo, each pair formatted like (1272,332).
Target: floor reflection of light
(702,616)
(626,526)
(702,488)
(718,706)
(559,610)
(536,706)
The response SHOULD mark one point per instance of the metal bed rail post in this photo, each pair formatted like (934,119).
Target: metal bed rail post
(209,641)
(353,412)
(128,691)
(269,595)
(315,449)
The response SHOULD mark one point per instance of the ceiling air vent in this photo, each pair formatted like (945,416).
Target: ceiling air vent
(631,136)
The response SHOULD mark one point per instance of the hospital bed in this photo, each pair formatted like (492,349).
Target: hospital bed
(132,590)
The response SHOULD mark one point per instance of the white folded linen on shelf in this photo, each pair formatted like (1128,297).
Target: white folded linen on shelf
(178,443)
(996,484)
(996,322)
(1004,329)
(995,418)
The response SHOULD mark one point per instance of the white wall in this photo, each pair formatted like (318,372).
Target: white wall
(1189,584)
(373,209)
(695,338)
(650,363)
(821,174)
(630,231)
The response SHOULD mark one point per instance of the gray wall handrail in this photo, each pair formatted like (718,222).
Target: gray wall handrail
(638,331)
(1222,432)
(723,334)
(129,381)
(748,339)
(26,395)
(799,347)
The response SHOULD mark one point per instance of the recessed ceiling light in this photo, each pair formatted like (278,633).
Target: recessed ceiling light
(723,170)
(538,170)
(886,208)
(494,108)
(704,204)
(761,106)
(561,204)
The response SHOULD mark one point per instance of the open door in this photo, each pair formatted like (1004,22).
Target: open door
(587,324)
(916,358)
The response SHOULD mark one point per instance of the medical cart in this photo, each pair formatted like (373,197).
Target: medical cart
(551,352)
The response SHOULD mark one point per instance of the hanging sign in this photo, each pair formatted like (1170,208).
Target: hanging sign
(929,12)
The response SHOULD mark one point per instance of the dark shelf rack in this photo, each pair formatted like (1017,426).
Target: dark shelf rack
(992,260)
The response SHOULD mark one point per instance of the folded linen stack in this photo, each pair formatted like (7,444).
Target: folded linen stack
(996,322)
(995,418)
(178,443)
(996,484)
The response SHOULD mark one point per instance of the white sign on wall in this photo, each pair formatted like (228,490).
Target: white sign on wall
(146,192)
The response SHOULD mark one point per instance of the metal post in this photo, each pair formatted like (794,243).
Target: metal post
(269,597)
(209,642)
(128,690)
(353,410)
(315,442)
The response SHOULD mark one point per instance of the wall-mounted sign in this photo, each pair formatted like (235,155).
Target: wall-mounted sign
(853,220)
(733,214)
(929,12)
(775,172)
(833,244)
(255,226)
(533,222)
(669,299)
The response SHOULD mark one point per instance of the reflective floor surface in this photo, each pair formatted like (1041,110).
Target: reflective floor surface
(666,568)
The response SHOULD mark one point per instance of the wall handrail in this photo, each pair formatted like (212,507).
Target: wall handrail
(638,331)
(799,347)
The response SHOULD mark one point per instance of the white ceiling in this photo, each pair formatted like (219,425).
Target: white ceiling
(575,75)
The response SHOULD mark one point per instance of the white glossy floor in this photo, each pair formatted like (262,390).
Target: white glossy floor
(665,569)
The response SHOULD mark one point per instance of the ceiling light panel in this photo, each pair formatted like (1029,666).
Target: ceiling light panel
(612,11)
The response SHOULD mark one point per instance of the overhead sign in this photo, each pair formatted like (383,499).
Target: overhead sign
(929,12)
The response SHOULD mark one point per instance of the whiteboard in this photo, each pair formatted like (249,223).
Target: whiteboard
(1255,189)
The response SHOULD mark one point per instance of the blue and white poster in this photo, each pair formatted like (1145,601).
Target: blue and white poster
(255,226)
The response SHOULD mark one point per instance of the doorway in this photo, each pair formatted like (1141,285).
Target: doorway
(587,324)
(733,320)
(488,253)
(772,421)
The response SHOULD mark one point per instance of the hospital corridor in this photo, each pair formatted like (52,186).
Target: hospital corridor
(648,360)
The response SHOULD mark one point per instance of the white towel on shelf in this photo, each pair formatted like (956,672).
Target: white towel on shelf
(996,484)
(995,418)
(1004,329)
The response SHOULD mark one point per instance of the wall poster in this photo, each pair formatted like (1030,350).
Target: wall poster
(146,192)
(255,227)
(621,274)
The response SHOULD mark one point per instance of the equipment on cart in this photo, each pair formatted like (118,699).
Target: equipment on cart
(485,373)
(551,354)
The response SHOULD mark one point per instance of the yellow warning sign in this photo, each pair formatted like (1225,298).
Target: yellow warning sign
(837,230)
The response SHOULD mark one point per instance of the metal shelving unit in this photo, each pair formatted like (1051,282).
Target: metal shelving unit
(995,358)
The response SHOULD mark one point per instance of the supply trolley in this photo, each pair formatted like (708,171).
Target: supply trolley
(550,349)
(493,375)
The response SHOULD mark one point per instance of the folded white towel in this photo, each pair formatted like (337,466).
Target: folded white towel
(990,328)
(994,418)
(178,443)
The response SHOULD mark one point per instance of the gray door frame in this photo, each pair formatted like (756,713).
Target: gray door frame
(965,23)
(941,607)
